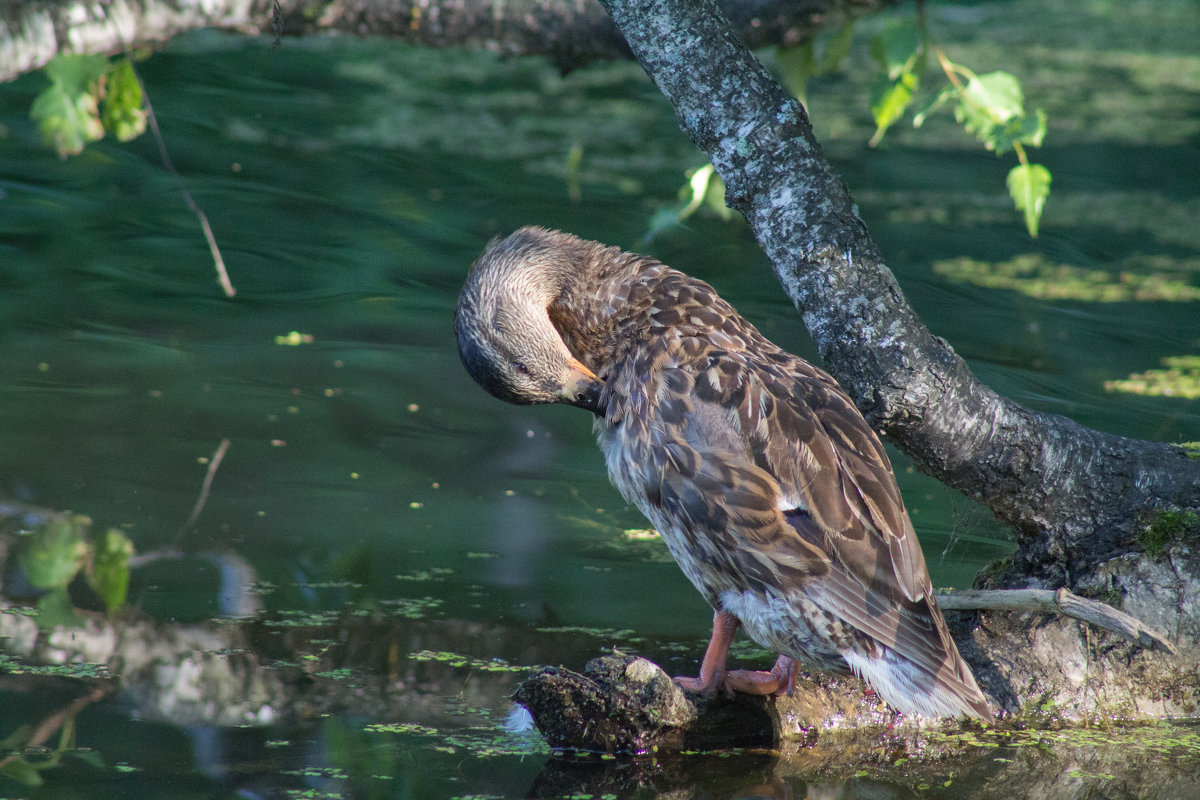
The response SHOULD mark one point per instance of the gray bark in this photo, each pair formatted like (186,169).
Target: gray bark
(571,33)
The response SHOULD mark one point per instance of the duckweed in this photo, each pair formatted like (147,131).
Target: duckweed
(458,660)
(412,607)
(484,741)
(302,619)
(624,634)
(1142,279)
(425,575)
(1160,739)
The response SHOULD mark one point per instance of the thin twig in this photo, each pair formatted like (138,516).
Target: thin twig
(51,723)
(1063,602)
(169,166)
(206,486)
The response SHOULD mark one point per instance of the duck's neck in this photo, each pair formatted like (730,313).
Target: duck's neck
(589,307)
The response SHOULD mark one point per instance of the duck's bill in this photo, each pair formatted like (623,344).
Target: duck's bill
(582,388)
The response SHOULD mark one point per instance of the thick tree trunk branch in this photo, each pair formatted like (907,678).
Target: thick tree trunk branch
(571,32)
(1073,494)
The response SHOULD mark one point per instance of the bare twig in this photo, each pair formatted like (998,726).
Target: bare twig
(206,486)
(49,724)
(169,166)
(1062,601)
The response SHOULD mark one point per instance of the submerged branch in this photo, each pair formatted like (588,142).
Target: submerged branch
(53,722)
(206,486)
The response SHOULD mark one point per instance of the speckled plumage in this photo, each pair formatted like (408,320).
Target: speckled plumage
(770,490)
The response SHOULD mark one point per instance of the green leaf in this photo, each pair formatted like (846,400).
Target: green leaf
(56,552)
(796,66)
(838,47)
(22,772)
(948,93)
(889,100)
(18,738)
(714,198)
(899,48)
(698,185)
(67,122)
(987,105)
(76,74)
(1033,131)
(704,186)
(67,111)
(1029,185)
(110,568)
(1026,130)
(900,52)
(800,63)
(124,112)
(998,93)
(56,611)
(66,735)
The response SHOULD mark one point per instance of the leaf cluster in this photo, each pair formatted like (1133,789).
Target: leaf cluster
(991,107)
(704,188)
(59,551)
(88,96)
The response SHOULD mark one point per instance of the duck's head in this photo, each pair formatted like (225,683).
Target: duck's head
(505,337)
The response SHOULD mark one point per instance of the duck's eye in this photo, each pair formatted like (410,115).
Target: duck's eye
(520,367)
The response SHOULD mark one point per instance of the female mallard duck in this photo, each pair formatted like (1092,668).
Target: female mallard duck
(768,487)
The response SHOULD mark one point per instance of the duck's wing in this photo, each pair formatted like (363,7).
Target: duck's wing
(811,438)
(811,483)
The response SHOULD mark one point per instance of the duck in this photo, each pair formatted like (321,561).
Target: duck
(772,493)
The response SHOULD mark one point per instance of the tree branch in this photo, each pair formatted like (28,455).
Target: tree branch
(1069,604)
(571,33)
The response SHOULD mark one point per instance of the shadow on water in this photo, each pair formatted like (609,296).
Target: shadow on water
(415,547)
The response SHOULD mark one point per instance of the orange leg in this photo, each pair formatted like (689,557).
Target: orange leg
(712,668)
(780,680)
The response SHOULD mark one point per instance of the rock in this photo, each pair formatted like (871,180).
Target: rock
(627,704)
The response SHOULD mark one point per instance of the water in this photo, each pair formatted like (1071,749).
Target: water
(350,184)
